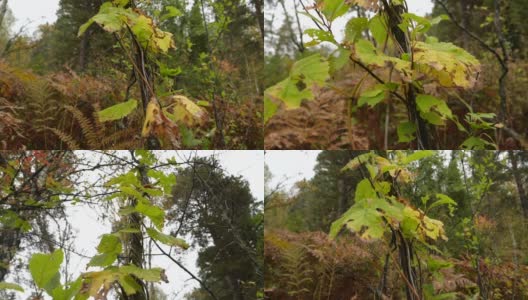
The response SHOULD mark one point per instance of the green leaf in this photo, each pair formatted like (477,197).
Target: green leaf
(109,244)
(476,143)
(117,111)
(109,248)
(378,28)
(270,108)
(417,155)
(111,18)
(373,96)
(171,13)
(357,161)
(365,52)
(439,19)
(166,181)
(333,9)
(121,3)
(305,73)
(10,286)
(339,59)
(444,200)
(154,213)
(44,269)
(365,221)
(355,28)
(60,293)
(320,36)
(85,27)
(167,239)
(406,132)
(152,275)
(414,23)
(432,109)
(102,260)
(364,191)
(129,284)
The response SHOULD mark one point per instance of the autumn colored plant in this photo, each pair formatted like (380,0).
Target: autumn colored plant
(380,212)
(402,66)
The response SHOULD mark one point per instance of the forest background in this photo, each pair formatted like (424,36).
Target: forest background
(485,223)
(341,103)
(62,87)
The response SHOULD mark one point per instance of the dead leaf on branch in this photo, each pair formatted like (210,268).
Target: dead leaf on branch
(160,126)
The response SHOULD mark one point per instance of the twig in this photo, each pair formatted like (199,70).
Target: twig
(185,269)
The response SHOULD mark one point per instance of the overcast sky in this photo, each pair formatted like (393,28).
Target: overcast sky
(419,7)
(42,11)
(35,11)
(88,225)
(290,166)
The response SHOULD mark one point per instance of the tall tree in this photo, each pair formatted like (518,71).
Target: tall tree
(217,211)
(519,182)
(70,49)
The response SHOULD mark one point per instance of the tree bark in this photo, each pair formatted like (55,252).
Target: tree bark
(523,197)
(83,51)
(260,16)
(3,11)
(394,15)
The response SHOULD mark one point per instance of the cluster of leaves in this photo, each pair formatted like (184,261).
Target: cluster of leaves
(134,198)
(427,63)
(376,210)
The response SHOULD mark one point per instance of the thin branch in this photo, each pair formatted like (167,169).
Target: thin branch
(185,269)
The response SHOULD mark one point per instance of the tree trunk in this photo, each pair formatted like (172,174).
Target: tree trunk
(343,196)
(3,11)
(83,52)
(523,197)
(260,16)
(394,15)
(135,250)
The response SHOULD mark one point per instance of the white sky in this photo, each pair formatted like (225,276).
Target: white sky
(289,166)
(35,11)
(419,7)
(89,227)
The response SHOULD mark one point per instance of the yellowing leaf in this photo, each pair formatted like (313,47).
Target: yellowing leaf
(163,40)
(167,239)
(367,4)
(158,125)
(186,111)
(451,65)
(99,283)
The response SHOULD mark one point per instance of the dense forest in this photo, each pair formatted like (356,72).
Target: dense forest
(371,74)
(400,225)
(156,74)
(157,213)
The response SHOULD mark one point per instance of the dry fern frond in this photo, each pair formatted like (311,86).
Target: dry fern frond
(87,127)
(318,124)
(64,137)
